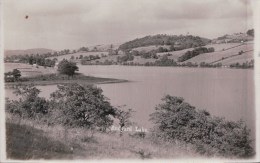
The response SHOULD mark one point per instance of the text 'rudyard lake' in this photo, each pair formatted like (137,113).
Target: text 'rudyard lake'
(129,129)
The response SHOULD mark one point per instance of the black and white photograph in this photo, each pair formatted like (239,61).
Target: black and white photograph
(128,80)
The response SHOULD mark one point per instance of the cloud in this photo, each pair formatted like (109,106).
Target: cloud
(213,9)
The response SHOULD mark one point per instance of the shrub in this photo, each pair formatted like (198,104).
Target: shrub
(176,119)
(29,105)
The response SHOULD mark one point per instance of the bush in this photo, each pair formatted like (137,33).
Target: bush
(29,105)
(175,119)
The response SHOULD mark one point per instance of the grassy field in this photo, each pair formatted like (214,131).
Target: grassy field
(109,58)
(28,70)
(238,59)
(30,140)
(211,57)
(68,56)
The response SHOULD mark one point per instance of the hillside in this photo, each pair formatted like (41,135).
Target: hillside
(28,51)
(228,52)
(104,47)
(225,51)
(178,50)
(78,55)
(180,42)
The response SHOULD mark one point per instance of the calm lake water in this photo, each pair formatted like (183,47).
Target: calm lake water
(223,92)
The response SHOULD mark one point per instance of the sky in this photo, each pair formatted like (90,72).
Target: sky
(70,24)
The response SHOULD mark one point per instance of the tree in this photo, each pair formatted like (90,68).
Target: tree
(17,74)
(250,32)
(172,48)
(85,49)
(9,77)
(12,75)
(68,68)
(124,118)
(82,106)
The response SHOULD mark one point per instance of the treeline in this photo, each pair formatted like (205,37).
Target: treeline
(197,51)
(167,62)
(87,59)
(181,41)
(170,62)
(24,57)
(244,65)
(33,59)
(204,64)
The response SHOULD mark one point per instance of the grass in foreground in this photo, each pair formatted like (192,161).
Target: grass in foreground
(43,142)
(25,142)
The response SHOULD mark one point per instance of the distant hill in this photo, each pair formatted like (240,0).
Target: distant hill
(234,38)
(180,42)
(104,47)
(28,51)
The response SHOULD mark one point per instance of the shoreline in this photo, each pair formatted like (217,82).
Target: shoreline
(87,80)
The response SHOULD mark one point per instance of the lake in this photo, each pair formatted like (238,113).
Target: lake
(223,92)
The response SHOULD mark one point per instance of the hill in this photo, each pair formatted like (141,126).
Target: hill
(104,47)
(28,51)
(234,38)
(226,54)
(180,42)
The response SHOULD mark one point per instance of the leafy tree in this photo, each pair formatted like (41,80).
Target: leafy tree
(84,49)
(82,106)
(68,68)
(124,118)
(12,76)
(8,77)
(250,32)
(172,48)
(17,74)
